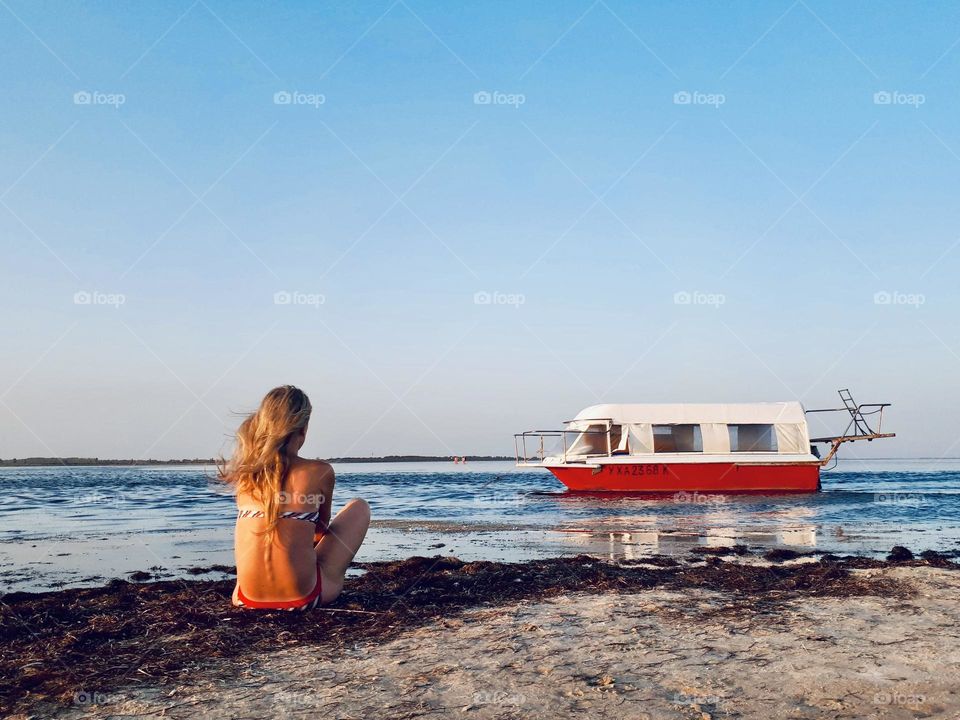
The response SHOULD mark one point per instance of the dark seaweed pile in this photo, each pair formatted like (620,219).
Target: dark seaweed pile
(56,644)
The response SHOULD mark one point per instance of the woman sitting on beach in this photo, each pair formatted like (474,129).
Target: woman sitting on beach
(289,555)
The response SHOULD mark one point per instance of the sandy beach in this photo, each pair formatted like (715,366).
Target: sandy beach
(707,637)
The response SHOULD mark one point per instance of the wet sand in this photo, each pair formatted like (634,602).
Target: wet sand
(732,636)
(63,562)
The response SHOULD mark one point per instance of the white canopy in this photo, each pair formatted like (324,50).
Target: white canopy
(678,413)
(717,424)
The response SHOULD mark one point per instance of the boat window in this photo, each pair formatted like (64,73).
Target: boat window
(677,438)
(593,441)
(752,438)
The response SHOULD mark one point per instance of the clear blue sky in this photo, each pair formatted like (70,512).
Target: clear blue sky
(583,197)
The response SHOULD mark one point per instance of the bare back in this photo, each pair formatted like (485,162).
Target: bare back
(285,566)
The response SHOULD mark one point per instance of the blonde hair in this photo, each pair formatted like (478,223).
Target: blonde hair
(260,461)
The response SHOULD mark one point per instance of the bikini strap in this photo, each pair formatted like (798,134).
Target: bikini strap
(313,517)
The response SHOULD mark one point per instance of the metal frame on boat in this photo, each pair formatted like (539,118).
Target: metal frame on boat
(858,428)
(747,447)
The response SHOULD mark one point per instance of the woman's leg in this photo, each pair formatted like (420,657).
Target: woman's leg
(339,544)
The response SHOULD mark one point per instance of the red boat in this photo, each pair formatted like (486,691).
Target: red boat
(720,448)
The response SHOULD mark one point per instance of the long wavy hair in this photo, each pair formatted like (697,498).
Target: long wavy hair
(261,460)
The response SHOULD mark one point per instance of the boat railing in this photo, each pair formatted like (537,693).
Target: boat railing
(535,441)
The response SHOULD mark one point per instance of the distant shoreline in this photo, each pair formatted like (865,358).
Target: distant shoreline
(94,462)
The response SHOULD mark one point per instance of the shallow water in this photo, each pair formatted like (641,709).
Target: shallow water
(72,526)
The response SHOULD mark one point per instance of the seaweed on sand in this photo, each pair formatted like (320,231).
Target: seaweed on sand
(56,644)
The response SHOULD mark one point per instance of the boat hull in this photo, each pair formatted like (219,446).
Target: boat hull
(691,477)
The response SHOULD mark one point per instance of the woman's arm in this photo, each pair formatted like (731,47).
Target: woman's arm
(327,504)
(323,480)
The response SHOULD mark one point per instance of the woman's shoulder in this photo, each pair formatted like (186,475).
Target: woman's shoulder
(312,471)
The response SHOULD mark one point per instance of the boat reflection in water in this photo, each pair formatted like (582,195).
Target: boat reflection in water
(679,529)
(619,545)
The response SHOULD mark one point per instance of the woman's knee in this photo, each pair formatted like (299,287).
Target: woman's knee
(359,507)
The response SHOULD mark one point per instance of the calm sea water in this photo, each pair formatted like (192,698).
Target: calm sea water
(74,526)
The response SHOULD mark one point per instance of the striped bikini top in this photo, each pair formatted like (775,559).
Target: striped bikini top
(313,517)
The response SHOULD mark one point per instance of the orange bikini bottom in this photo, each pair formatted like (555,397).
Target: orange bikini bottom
(309,602)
